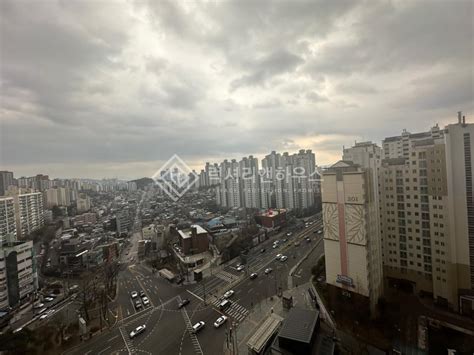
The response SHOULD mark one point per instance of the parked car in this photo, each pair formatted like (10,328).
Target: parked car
(221,320)
(134,294)
(146,301)
(198,326)
(278,256)
(38,305)
(138,304)
(183,303)
(229,294)
(253,275)
(240,267)
(138,330)
(268,270)
(283,258)
(142,293)
(49,299)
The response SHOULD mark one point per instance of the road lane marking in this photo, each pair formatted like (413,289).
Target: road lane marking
(100,352)
(113,338)
(192,293)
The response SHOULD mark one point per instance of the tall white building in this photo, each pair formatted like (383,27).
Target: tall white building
(29,213)
(353,263)
(459,140)
(7,218)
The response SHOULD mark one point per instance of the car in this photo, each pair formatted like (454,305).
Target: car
(297,244)
(146,301)
(183,303)
(142,293)
(224,304)
(240,267)
(229,294)
(283,258)
(17,330)
(198,326)
(134,294)
(38,305)
(49,299)
(262,250)
(278,256)
(52,295)
(219,321)
(43,316)
(138,304)
(275,246)
(253,275)
(138,330)
(289,234)
(308,239)
(320,231)
(285,240)
(268,270)
(42,310)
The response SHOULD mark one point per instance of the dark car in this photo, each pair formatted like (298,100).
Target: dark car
(183,303)
(142,293)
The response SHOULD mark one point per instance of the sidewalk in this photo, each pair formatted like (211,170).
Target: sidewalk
(263,309)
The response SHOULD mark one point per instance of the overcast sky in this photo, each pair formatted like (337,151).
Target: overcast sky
(113,89)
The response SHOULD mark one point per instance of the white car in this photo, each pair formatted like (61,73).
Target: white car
(283,258)
(134,294)
(278,257)
(275,246)
(198,326)
(138,330)
(240,267)
(228,294)
(43,316)
(39,305)
(221,320)
(268,270)
(49,299)
(146,301)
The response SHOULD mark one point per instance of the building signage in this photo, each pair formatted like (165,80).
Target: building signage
(345,280)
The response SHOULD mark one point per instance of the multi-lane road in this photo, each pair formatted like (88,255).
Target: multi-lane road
(168,328)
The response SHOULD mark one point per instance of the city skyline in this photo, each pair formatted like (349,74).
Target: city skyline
(113,95)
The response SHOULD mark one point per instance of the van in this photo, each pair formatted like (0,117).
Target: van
(224,304)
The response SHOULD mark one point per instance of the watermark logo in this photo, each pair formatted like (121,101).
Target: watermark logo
(175,177)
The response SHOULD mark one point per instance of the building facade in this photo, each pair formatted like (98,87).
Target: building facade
(7,218)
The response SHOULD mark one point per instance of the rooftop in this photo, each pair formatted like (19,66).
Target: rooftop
(264,332)
(299,325)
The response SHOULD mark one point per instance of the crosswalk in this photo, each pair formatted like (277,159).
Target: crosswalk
(128,342)
(226,276)
(235,310)
(209,286)
(192,335)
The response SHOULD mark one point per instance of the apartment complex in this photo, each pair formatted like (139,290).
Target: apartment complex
(416,215)
(285,181)
(351,227)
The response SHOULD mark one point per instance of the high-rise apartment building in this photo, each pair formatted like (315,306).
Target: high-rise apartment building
(7,218)
(353,261)
(426,202)
(6,180)
(29,212)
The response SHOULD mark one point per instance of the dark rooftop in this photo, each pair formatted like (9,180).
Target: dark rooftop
(299,325)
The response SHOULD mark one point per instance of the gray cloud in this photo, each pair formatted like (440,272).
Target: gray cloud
(81,89)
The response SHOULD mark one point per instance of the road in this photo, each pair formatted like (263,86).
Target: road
(168,327)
